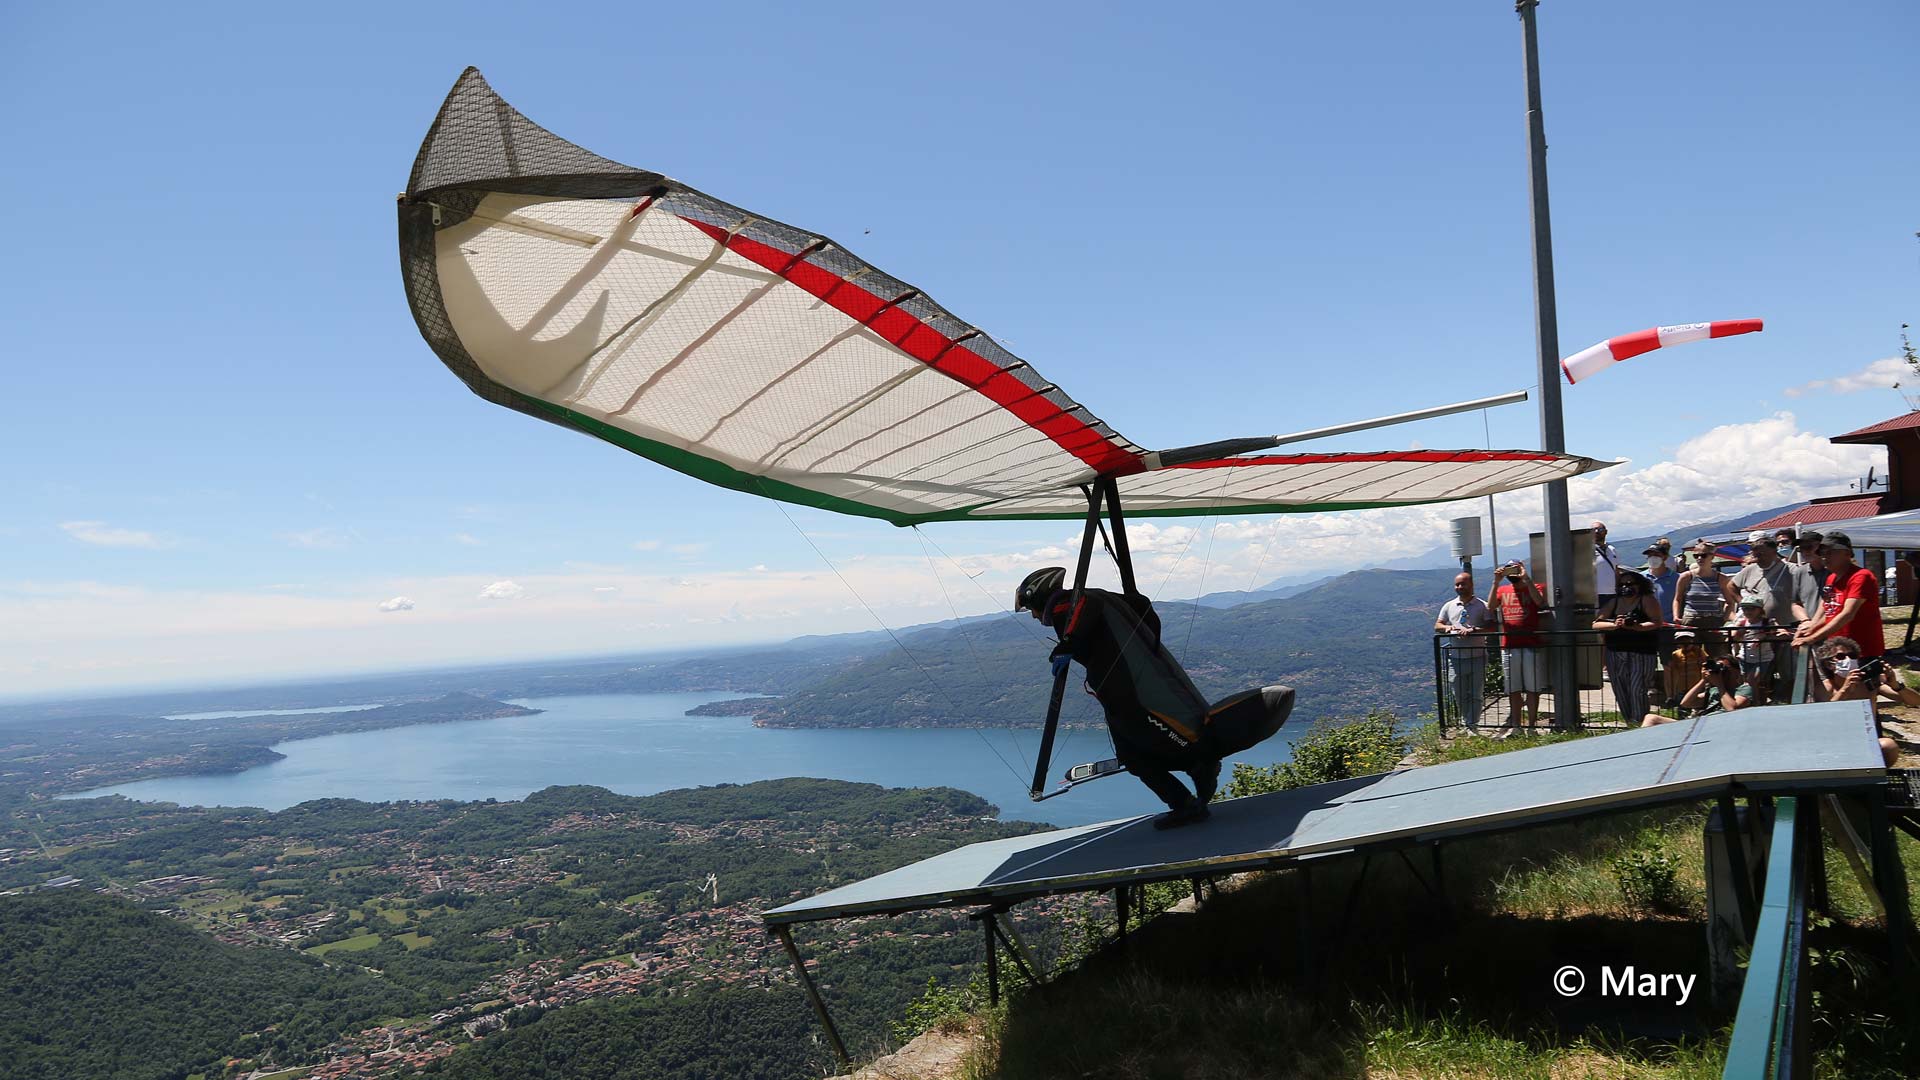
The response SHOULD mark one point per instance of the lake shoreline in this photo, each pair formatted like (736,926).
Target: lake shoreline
(642,744)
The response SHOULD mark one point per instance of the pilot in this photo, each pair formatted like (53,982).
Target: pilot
(1160,722)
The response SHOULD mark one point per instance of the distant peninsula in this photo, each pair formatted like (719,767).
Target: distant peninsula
(751,706)
(90,752)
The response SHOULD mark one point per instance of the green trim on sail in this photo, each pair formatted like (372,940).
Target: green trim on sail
(714,472)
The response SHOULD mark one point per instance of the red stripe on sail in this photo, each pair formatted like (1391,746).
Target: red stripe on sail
(923,343)
(1468,456)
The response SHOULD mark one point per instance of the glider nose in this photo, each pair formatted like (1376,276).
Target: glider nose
(1279,702)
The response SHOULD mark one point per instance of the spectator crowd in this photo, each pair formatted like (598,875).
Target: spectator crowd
(1687,636)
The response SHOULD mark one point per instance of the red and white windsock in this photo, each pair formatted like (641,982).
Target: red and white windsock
(1589,362)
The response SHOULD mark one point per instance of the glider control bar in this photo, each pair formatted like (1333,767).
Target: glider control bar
(1103,490)
(1232,447)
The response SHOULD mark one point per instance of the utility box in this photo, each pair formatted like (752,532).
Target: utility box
(1727,932)
(1575,608)
(1579,589)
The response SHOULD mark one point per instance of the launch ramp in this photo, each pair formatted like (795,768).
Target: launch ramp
(1824,747)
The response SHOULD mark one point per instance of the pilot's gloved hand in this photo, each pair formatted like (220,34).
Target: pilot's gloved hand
(1060,661)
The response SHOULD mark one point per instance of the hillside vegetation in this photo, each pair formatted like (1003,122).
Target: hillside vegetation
(96,987)
(1360,642)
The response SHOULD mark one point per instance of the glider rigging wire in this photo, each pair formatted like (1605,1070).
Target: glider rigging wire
(978,664)
(928,675)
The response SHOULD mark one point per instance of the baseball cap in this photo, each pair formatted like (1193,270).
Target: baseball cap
(1807,536)
(1752,600)
(1656,550)
(1837,539)
(1758,536)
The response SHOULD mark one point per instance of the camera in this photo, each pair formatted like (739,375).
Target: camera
(1872,668)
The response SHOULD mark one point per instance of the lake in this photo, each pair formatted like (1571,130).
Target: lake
(639,744)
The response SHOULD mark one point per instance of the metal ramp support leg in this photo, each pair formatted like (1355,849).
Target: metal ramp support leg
(1001,932)
(1891,877)
(813,996)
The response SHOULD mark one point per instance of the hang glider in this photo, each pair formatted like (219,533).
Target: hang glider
(757,356)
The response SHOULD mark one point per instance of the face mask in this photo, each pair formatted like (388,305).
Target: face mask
(1656,562)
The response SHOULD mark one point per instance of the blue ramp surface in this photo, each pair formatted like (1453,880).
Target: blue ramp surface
(1825,746)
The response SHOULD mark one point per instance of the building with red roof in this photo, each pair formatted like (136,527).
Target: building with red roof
(1901,437)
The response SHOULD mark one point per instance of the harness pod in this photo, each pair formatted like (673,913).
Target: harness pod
(1151,703)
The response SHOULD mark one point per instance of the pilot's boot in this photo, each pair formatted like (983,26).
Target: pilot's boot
(1189,813)
(1206,780)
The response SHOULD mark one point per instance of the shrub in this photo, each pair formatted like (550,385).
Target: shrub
(1648,876)
(1330,750)
(945,1007)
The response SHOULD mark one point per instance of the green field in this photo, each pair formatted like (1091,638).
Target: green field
(414,940)
(352,944)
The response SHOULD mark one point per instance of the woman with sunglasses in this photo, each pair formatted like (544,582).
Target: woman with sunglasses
(1632,623)
(1702,599)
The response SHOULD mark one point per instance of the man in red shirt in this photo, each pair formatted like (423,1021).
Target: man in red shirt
(1849,601)
(1516,602)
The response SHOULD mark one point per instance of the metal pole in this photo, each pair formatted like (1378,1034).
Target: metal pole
(813,996)
(1553,436)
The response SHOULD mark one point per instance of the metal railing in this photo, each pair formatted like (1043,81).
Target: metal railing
(1617,689)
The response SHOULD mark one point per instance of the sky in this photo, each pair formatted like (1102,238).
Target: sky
(227,456)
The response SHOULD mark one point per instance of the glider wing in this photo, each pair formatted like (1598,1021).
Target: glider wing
(761,357)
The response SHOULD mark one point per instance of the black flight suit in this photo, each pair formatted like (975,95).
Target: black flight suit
(1158,719)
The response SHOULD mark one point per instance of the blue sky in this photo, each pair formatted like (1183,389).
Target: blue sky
(225,445)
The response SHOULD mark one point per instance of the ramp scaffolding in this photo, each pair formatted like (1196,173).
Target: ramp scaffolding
(1810,750)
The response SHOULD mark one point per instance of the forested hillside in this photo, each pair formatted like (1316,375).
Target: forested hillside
(1361,641)
(339,930)
(96,987)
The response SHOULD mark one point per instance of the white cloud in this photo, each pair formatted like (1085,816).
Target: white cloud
(1883,374)
(100,534)
(56,636)
(502,590)
(1728,470)
(398,603)
(467,539)
(646,545)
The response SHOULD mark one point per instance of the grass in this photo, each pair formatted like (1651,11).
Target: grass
(353,944)
(414,940)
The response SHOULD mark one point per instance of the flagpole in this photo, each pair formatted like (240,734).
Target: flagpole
(1553,437)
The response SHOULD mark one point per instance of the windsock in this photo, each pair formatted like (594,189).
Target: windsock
(1589,362)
